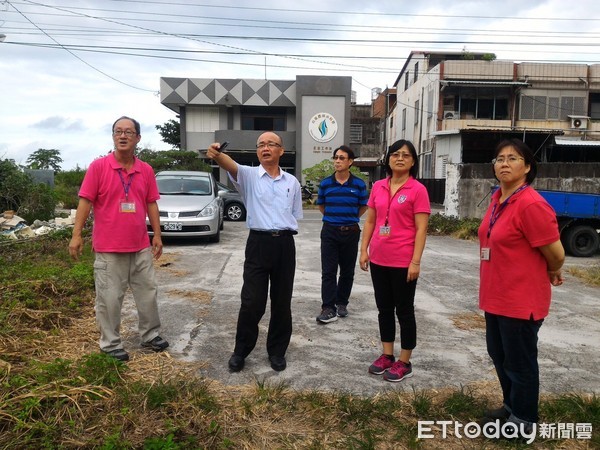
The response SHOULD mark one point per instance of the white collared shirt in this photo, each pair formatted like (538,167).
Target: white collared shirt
(271,203)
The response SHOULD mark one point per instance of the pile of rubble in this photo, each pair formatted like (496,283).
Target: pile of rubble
(15,227)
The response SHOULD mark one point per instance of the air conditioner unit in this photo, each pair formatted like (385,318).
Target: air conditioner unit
(451,115)
(579,123)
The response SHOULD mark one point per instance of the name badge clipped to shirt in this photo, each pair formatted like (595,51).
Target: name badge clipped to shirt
(126,206)
(485,254)
(384,230)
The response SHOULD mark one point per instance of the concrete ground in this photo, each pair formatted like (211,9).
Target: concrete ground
(200,284)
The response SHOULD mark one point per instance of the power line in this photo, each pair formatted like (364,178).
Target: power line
(77,57)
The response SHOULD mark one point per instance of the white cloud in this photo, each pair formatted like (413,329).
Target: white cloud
(51,98)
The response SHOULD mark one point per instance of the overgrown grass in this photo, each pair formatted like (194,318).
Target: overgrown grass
(53,397)
(440,224)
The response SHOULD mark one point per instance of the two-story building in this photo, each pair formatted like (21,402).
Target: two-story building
(455,107)
(310,113)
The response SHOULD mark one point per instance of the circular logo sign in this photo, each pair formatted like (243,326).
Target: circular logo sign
(322,127)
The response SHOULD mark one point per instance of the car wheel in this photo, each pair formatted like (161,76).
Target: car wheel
(235,212)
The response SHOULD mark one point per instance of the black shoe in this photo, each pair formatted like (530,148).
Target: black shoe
(157,344)
(342,311)
(278,363)
(236,363)
(327,315)
(498,413)
(119,354)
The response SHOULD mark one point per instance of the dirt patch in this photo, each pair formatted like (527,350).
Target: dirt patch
(470,321)
(203,297)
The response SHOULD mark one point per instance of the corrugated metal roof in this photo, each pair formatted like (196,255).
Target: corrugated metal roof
(576,142)
(485,83)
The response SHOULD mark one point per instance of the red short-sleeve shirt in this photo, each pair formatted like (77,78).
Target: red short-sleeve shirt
(514,281)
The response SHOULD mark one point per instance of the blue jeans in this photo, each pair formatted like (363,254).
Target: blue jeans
(338,249)
(512,345)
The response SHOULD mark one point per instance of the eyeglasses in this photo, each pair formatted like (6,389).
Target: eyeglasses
(341,158)
(127,133)
(510,160)
(401,155)
(271,145)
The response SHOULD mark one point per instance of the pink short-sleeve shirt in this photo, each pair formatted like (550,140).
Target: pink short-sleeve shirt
(397,248)
(116,231)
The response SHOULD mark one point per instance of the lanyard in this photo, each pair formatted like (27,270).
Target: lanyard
(391,198)
(494,216)
(127,185)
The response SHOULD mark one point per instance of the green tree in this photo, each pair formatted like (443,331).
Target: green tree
(18,192)
(170,132)
(316,173)
(45,159)
(67,184)
(173,160)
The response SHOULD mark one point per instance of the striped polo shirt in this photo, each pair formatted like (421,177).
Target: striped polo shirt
(342,202)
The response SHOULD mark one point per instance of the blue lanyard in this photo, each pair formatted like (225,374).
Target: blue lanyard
(494,216)
(127,185)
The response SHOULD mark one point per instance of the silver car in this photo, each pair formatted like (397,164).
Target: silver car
(189,205)
(233,203)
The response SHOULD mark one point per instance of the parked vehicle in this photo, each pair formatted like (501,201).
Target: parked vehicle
(233,203)
(578,217)
(189,205)
(307,192)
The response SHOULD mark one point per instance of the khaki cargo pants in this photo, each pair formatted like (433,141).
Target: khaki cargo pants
(113,274)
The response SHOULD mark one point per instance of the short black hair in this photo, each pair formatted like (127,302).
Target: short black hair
(522,149)
(136,124)
(346,149)
(414,170)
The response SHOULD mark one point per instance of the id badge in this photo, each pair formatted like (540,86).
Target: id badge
(127,207)
(485,254)
(384,230)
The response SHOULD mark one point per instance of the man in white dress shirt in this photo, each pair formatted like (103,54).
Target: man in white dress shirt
(274,203)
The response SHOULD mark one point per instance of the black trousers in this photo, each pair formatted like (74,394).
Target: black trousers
(269,260)
(512,345)
(339,248)
(393,294)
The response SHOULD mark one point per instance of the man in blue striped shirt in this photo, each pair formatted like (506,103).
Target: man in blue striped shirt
(342,199)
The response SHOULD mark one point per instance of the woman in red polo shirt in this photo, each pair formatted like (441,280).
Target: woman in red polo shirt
(521,257)
(393,241)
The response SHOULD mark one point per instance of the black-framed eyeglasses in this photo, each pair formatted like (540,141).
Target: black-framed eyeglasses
(341,158)
(271,145)
(128,133)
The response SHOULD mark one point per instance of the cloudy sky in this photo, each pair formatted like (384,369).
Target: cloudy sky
(69,68)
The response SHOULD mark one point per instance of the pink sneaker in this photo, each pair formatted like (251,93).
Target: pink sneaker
(381,364)
(398,372)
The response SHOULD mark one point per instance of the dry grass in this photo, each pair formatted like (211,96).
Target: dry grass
(589,275)
(49,399)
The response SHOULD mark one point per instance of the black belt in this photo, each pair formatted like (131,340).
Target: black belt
(274,233)
(353,227)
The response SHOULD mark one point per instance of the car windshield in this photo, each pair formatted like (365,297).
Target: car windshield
(179,185)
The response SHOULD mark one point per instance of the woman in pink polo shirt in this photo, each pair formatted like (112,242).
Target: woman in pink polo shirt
(393,241)
(521,257)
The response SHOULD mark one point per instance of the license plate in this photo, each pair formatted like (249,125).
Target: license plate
(173,226)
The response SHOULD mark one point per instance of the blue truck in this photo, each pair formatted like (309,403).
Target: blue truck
(578,217)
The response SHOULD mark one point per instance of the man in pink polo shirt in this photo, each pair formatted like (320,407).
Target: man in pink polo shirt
(122,191)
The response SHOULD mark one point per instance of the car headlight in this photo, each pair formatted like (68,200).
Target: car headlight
(210,210)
